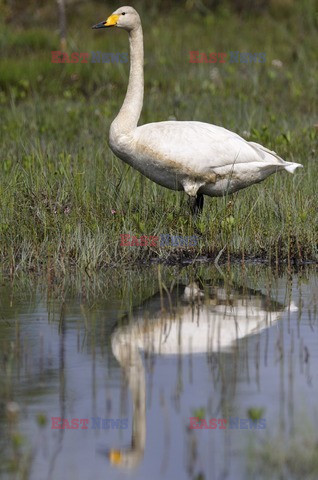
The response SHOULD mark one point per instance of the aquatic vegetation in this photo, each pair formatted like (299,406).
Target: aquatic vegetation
(279,457)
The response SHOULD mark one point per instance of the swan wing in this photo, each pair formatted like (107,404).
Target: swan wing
(199,146)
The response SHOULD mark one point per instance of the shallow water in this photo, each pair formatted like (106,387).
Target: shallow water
(152,349)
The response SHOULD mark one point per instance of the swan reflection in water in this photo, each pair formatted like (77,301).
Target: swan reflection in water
(187,320)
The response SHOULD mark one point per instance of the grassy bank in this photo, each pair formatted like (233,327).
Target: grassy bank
(65,199)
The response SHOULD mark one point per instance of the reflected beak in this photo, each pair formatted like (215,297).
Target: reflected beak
(115,457)
(110,22)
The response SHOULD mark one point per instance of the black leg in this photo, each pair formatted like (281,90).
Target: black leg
(196,204)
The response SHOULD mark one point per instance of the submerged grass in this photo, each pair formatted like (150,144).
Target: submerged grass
(65,199)
(280,458)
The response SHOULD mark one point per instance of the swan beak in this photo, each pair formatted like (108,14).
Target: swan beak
(115,457)
(110,22)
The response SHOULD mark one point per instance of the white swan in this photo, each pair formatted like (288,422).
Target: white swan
(196,157)
(192,322)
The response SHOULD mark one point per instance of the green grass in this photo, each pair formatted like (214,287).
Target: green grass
(64,197)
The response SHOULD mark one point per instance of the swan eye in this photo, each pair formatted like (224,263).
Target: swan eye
(124,13)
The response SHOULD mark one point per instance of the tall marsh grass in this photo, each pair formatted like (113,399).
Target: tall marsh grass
(65,199)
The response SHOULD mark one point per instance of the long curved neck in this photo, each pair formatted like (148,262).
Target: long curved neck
(129,113)
(126,351)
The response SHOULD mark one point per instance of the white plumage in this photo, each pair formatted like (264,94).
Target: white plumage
(199,321)
(196,157)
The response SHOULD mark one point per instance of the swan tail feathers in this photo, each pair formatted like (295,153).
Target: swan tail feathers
(292,167)
(289,166)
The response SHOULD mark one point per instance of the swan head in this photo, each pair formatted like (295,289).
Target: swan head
(124,17)
(125,459)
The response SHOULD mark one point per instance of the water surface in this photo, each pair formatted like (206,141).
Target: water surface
(147,350)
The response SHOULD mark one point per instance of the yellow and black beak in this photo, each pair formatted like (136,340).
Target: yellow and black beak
(110,22)
(115,457)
